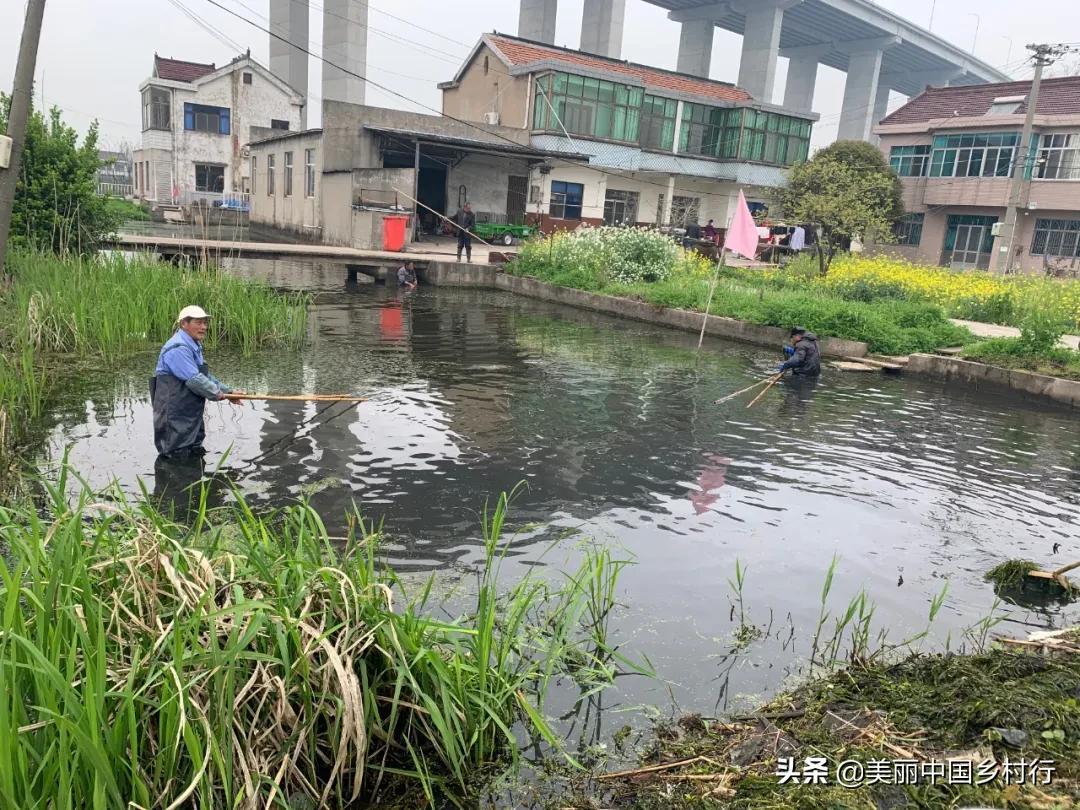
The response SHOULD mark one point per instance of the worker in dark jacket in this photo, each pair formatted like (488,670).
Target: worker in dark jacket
(805,358)
(181,384)
(465,220)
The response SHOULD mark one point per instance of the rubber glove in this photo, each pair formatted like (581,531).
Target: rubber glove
(781,368)
(789,350)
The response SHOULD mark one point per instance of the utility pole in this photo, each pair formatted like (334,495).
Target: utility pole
(21,102)
(1043,56)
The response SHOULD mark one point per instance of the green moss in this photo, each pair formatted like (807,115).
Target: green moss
(1010,573)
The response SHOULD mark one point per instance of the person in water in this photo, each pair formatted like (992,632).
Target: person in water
(180,387)
(804,358)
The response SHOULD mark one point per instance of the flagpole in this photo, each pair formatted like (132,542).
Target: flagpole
(712,291)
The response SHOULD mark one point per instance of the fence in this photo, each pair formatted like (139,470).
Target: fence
(115,190)
(232,200)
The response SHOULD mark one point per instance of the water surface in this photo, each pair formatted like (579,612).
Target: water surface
(611,425)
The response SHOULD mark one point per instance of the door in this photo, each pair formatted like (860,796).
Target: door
(969,239)
(517,189)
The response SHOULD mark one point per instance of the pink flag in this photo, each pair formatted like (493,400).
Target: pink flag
(742,237)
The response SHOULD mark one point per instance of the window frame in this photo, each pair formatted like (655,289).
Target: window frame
(207,167)
(254,173)
(213,120)
(908,230)
(971,154)
(287,173)
(309,173)
(1067,154)
(656,128)
(911,160)
(271,189)
(1066,230)
(588,107)
(157,109)
(628,201)
(562,198)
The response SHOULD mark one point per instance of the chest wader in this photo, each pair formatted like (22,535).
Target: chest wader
(178,416)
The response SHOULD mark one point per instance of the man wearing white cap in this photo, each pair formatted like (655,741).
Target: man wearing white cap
(181,384)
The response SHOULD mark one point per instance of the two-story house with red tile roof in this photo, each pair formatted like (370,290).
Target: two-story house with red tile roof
(663,147)
(196,121)
(955,149)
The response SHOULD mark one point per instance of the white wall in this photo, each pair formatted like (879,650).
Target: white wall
(486,182)
(297,212)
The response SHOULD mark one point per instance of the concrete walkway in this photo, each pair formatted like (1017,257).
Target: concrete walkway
(992,330)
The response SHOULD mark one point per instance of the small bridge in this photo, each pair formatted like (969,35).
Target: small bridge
(373,263)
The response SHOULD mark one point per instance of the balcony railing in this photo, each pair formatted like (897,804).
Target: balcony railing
(231,200)
(115,189)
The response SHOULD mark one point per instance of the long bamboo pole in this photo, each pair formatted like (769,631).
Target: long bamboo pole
(441,216)
(740,392)
(712,291)
(299,397)
(773,381)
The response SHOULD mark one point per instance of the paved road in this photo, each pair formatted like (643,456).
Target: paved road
(991,330)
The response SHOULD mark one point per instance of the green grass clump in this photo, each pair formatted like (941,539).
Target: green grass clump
(1010,573)
(126,210)
(250,662)
(1016,353)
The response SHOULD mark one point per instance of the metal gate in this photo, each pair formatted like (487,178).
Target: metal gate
(517,190)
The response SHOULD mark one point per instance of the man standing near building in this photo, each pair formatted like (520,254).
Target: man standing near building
(181,384)
(465,221)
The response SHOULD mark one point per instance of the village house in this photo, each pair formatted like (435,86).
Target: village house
(196,120)
(955,148)
(664,148)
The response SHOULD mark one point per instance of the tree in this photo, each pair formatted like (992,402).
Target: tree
(848,190)
(56,202)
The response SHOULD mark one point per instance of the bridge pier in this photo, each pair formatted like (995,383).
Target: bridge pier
(536,20)
(695,48)
(602,27)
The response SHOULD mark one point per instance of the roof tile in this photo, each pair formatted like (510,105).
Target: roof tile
(524,52)
(1059,96)
(177,70)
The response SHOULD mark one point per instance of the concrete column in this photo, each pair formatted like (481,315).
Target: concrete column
(536,20)
(289,19)
(881,107)
(761,47)
(695,48)
(344,46)
(801,82)
(667,200)
(860,95)
(602,27)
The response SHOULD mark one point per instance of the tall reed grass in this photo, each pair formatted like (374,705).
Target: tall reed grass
(250,662)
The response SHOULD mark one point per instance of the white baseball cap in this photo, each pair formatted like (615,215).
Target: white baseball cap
(191,312)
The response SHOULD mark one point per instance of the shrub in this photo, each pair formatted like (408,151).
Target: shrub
(599,255)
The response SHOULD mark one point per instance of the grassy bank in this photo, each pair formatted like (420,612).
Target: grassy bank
(649,267)
(980,708)
(252,661)
(126,210)
(60,310)
(1013,353)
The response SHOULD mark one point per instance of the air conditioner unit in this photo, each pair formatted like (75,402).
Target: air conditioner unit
(5,152)
(995,229)
(491,118)
(245,151)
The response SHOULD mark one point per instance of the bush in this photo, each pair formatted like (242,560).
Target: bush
(599,255)
(1040,332)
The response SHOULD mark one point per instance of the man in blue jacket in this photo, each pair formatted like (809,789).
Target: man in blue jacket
(181,384)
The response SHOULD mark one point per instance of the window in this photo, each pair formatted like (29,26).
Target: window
(1059,157)
(486,66)
(908,230)
(270,159)
(277,123)
(1056,237)
(684,210)
(156,109)
(254,172)
(209,177)
(620,207)
(200,118)
(658,123)
(910,161)
(566,200)
(982,155)
(247,78)
(1006,105)
(969,241)
(589,107)
(309,172)
(710,131)
(286,171)
(738,132)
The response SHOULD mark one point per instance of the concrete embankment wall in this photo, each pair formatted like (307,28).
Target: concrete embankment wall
(952,368)
(449,274)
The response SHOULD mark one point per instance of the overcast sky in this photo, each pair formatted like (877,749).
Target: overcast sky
(94,54)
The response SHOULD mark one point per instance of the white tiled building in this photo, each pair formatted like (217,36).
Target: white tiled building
(196,122)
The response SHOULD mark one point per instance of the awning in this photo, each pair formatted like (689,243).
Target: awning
(409,138)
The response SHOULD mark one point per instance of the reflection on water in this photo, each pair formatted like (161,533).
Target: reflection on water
(612,426)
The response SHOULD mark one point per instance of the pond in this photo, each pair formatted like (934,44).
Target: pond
(611,424)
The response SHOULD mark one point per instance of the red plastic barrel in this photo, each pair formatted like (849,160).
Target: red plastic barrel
(393,229)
